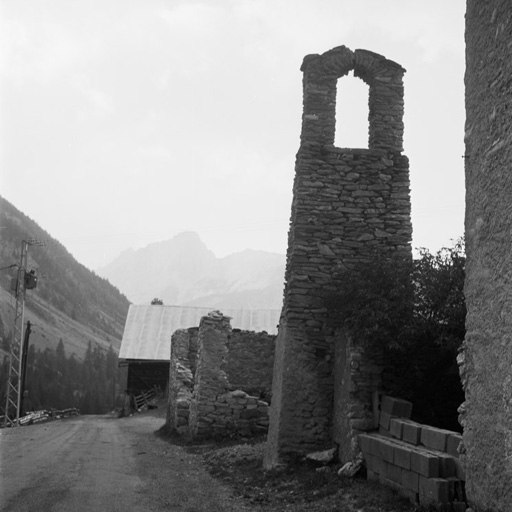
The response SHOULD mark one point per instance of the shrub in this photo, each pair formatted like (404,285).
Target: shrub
(415,310)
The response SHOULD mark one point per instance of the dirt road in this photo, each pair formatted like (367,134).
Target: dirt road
(97,463)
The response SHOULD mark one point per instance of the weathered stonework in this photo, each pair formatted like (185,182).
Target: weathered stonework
(357,377)
(203,402)
(181,378)
(250,362)
(486,358)
(347,203)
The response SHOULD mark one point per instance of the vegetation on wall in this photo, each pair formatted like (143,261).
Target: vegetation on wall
(416,311)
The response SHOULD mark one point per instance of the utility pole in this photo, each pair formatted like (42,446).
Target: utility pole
(24,281)
(24,365)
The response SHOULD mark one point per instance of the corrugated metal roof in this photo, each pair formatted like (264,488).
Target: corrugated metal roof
(148,329)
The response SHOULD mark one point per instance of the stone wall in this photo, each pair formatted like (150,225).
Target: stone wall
(486,359)
(357,379)
(250,362)
(181,378)
(346,204)
(203,402)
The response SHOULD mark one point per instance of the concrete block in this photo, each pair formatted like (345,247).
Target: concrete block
(456,489)
(452,444)
(402,456)
(411,432)
(372,463)
(433,491)
(393,472)
(380,466)
(385,449)
(371,476)
(410,495)
(410,480)
(396,407)
(365,443)
(391,484)
(434,438)
(396,427)
(384,420)
(424,463)
(446,465)
(460,469)
(384,432)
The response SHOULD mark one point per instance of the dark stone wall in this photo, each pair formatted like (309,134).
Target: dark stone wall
(346,204)
(251,362)
(486,359)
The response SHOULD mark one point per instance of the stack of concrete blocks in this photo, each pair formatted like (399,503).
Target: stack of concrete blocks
(418,461)
(202,402)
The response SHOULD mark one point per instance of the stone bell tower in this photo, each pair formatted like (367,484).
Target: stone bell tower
(346,203)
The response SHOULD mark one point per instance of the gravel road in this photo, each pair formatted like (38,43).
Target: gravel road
(98,463)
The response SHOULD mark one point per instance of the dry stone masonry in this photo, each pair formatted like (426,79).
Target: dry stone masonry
(251,361)
(486,358)
(210,374)
(181,378)
(347,203)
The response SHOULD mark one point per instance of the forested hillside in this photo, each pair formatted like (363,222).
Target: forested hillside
(77,320)
(63,283)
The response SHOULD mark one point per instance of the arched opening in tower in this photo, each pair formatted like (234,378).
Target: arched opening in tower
(352,126)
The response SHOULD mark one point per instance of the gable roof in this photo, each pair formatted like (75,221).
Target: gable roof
(148,329)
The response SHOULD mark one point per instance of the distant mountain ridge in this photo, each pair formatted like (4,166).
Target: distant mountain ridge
(70,302)
(183,271)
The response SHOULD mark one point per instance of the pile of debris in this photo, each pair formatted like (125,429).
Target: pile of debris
(35,417)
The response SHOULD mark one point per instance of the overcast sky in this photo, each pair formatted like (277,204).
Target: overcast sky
(126,122)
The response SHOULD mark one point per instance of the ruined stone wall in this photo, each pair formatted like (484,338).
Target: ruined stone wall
(202,400)
(181,378)
(210,378)
(486,359)
(357,377)
(251,361)
(347,203)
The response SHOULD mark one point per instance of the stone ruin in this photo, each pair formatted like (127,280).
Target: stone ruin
(347,204)
(350,205)
(486,358)
(219,379)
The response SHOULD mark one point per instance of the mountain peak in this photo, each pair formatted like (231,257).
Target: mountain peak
(183,271)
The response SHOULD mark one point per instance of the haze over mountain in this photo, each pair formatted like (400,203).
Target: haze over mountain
(183,271)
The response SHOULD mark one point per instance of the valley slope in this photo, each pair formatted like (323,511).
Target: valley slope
(70,302)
